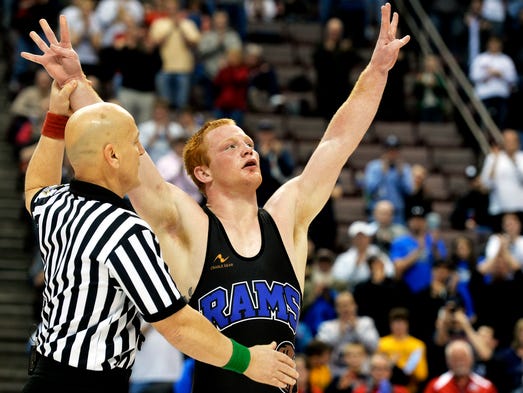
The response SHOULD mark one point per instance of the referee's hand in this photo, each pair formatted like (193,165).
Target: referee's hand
(271,367)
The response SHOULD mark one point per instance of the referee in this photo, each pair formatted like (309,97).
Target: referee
(103,265)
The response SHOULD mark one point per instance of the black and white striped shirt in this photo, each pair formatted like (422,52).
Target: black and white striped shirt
(102,266)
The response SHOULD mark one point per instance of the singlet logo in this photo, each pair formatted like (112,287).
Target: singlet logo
(287,348)
(220,258)
(219,262)
(259,300)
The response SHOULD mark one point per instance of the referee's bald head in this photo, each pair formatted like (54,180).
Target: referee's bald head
(99,141)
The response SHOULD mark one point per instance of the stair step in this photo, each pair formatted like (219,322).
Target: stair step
(20,296)
(12,335)
(12,387)
(16,311)
(13,349)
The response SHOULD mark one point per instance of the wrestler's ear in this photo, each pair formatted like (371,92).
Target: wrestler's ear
(202,173)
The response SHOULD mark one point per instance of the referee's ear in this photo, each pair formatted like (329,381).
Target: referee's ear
(111,156)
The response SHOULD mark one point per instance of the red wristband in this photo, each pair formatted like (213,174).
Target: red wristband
(54,125)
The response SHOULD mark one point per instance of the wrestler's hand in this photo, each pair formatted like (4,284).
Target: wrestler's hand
(271,367)
(387,46)
(59,59)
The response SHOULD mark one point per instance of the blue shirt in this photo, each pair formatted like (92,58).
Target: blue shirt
(419,275)
(391,185)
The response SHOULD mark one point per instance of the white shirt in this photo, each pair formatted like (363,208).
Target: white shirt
(493,10)
(487,87)
(515,248)
(87,53)
(157,361)
(107,13)
(160,146)
(506,185)
(346,269)
(364,332)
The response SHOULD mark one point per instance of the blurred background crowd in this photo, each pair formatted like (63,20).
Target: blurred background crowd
(415,264)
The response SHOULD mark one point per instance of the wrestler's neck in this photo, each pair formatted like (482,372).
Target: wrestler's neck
(231,206)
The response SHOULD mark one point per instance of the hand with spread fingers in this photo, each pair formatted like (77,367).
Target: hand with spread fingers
(387,46)
(59,58)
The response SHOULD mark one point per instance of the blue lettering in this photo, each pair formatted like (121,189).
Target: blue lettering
(242,305)
(213,306)
(271,301)
(280,302)
(293,304)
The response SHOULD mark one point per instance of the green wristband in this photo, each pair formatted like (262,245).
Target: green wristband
(240,358)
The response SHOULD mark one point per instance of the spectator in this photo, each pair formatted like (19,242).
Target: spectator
(494,76)
(509,242)
(28,111)
(464,259)
(334,58)
(318,354)
(157,133)
(262,10)
(385,229)
(506,371)
(175,34)
(430,92)
(390,178)
(379,294)
(264,93)
(356,370)
(190,120)
(501,174)
(478,30)
(482,340)
(427,303)
(137,62)
(414,253)
(303,384)
(408,353)
(350,267)
(231,84)
(470,209)
(236,11)
(115,16)
(86,34)
(346,328)
(459,377)
(502,280)
(495,12)
(25,18)
(420,195)
(212,50)
(318,295)
(380,377)
(172,170)
(276,161)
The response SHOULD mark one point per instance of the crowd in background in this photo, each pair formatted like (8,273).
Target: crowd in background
(396,306)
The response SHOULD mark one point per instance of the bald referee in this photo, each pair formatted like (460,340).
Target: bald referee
(103,266)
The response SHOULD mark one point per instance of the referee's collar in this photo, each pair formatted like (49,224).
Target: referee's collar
(102,194)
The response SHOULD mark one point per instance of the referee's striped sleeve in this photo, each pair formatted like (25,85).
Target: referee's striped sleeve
(138,267)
